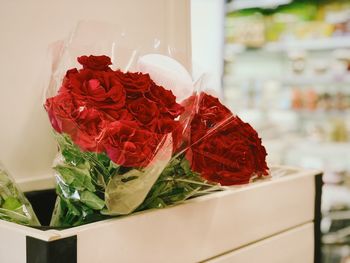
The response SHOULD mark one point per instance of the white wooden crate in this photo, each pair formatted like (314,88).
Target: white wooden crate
(198,230)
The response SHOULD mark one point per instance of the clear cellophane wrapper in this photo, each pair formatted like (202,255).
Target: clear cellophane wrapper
(14,206)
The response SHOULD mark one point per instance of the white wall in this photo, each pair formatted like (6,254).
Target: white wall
(27,28)
(208,41)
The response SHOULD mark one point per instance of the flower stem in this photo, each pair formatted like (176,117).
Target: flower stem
(191,182)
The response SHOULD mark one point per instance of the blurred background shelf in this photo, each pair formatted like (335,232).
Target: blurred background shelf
(285,46)
(309,44)
(295,80)
(287,72)
(244,4)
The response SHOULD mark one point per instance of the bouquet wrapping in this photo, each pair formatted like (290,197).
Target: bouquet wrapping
(140,137)
(14,206)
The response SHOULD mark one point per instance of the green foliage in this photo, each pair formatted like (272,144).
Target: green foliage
(76,177)
(92,200)
(81,182)
(176,184)
(91,187)
(11,203)
(14,207)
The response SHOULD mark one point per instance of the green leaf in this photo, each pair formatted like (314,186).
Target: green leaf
(168,171)
(15,216)
(71,156)
(91,200)
(57,213)
(66,191)
(124,196)
(113,165)
(103,158)
(11,203)
(72,209)
(185,165)
(176,184)
(100,181)
(69,150)
(4,179)
(78,178)
(157,203)
(14,206)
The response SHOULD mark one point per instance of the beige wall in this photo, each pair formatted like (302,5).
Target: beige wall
(207,22)
(26,29)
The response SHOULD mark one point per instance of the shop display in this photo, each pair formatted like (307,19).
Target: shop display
(336,218)
(247,29)
(300,20)
(294,88)
(14,206)
(312,87)
(135,134)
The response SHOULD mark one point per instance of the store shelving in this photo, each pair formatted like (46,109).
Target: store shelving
(318,79)
(244,4)
(324,155)
(309,44)
(288,74)
(285,46)
(295,79)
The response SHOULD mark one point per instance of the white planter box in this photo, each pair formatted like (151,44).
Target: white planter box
(201,229)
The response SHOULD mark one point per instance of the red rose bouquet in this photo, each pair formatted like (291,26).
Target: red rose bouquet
(223,148)
(116,133)
(126,145)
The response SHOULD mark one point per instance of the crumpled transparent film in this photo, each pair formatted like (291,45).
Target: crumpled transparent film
(14,206)
(122,194)
(126,50)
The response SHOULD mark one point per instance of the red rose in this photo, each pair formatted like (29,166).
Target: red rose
(95,62)
(224,149)
(61,110)
(223,163)
(84,125)
(100,89)
(105,110)
(248,132)
(128,145)
(180,142)
(144,111)
(210,110)
(165,99)
(135,83)
(90,125)
(166,125)
(101,96)
(122,114)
